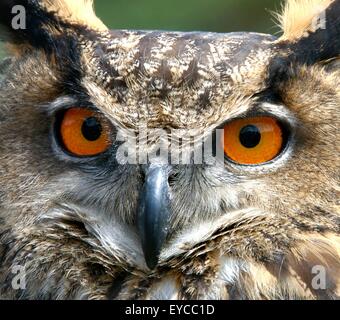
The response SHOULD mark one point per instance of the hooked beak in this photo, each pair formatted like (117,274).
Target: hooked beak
(154,213)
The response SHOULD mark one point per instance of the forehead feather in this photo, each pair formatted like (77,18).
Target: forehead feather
(190,75)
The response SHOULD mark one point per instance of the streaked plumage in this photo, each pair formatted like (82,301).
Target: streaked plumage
(235,232)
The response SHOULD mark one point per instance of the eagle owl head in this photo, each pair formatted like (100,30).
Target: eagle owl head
(169,165)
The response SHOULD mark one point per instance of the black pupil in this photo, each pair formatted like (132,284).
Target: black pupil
(250,136)
(91,129)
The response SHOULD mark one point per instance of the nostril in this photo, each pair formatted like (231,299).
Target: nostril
(173,178)
(142,175)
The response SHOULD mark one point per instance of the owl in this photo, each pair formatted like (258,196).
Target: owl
(168,165)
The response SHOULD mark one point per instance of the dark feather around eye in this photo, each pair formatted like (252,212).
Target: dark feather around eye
(333,65)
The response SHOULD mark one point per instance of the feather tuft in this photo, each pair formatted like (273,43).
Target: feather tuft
(75,12)
(299,17)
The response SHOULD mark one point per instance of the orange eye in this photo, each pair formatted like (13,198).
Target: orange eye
(253,140)
(84,132)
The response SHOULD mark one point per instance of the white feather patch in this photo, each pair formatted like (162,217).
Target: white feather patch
(201,232)
(166,289)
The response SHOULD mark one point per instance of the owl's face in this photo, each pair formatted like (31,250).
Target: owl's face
(73,99)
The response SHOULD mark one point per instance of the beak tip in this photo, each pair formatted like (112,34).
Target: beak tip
(151,262)
(152,250)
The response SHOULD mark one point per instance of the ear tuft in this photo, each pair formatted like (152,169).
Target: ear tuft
(45,21)
(79,12)
(311,32)
(299,17)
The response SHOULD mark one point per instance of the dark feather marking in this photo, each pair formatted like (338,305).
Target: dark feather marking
(117,285)
(64,46)
(321,45)
(141,290)
(37,19)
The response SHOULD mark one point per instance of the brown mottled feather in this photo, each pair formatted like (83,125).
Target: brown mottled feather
(235,233)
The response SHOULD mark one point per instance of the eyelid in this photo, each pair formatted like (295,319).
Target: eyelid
(59,105)
(64,103)
(267,109)
(278,111)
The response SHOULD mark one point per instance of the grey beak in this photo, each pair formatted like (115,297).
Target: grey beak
(154,213)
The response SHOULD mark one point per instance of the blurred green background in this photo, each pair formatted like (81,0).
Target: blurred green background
(189,15)
(201,15)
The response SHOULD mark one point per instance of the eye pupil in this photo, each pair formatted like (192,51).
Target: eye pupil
(250,136)
(91,129)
